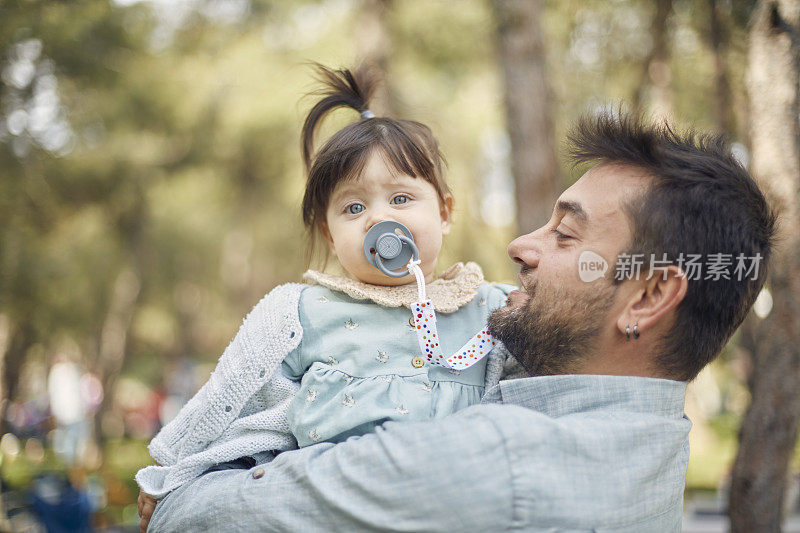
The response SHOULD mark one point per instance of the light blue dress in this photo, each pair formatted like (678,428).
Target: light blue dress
(357,368)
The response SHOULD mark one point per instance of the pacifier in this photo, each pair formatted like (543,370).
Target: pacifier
(387,249)
(389,246)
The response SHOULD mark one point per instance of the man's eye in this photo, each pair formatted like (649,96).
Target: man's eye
(560,236)
(354,209)
(400,199)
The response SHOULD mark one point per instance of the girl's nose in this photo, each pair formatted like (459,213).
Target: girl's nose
(375,215)
(525,249)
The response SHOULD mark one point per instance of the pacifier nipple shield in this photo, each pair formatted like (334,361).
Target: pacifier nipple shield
(388,250)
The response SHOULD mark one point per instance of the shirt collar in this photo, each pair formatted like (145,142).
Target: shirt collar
(455,287)
(562,395)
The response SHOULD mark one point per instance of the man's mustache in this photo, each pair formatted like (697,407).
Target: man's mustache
(527,284)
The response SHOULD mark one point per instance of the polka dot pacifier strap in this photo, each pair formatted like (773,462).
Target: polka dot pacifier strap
(389,246)
(428,335)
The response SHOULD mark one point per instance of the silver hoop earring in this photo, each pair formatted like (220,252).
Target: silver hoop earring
(627,333)
(636,331)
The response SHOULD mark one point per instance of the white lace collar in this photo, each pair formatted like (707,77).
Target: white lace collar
(455,287)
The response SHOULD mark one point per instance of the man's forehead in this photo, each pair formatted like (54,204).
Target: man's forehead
(602,191)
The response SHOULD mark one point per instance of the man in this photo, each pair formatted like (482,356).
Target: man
(611,322)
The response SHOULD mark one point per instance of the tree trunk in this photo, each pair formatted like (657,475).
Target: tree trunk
(723,111)
(769,428)
(374,46)
(521,49)
(656,77)
(5,342)
(14,345)
(115,335)
(115,341)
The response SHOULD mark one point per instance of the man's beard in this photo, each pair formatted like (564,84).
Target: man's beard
(552,332)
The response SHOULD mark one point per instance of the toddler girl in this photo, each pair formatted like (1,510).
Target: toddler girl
(339,356)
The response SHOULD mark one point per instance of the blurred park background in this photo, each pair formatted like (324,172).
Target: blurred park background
(150,184)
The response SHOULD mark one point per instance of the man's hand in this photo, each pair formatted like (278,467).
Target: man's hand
(147,504)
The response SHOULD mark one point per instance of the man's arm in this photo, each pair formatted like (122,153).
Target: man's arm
(439,475)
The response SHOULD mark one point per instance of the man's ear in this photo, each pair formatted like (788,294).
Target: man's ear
(654,299)
(326,233)
(446,213)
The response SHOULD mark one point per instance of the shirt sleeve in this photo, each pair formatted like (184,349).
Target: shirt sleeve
(450,474)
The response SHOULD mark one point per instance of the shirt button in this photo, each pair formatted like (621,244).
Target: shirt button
(417,362)
(258,473)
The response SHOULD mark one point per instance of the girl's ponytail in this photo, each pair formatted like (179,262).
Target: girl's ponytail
(342,88)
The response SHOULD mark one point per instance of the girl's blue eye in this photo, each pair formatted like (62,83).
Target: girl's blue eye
(354,209)
(400,199)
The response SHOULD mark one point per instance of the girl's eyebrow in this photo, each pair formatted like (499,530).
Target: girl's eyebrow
(355,186)
(343,191)
(408,181)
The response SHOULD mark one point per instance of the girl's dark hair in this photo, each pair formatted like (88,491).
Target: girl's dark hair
(408,146)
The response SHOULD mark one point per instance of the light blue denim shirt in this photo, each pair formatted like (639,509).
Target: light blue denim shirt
(555,453)
(355,364)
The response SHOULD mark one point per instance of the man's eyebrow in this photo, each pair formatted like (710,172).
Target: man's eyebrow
(573,208)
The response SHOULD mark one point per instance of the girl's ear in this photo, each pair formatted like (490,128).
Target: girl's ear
(326,233)
(446,213)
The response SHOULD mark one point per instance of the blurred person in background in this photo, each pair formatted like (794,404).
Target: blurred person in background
(69,409)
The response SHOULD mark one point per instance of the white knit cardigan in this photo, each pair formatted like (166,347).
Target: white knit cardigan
(234,414)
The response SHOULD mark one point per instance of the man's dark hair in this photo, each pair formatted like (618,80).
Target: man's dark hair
(701,201)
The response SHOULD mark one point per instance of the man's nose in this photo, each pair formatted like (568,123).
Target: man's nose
(525,249)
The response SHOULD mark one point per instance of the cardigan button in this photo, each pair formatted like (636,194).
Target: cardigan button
(258,473)
(417,362)
(228,408)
